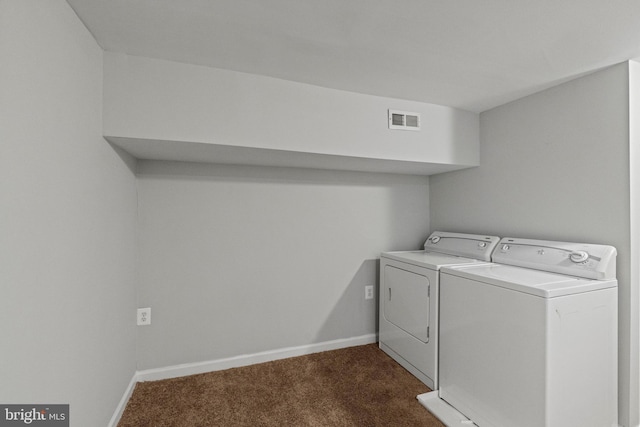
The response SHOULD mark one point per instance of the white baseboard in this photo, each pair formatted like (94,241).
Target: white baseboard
(123,402)
(233,362)
(250,359)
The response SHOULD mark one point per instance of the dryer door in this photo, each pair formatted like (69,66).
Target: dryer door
(406,301)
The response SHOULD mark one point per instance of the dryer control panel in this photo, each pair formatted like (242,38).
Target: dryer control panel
(465,245)
(573,259)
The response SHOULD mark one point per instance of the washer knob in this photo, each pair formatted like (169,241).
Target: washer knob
(579,256)
(435,239)
(482,244)
(505,247)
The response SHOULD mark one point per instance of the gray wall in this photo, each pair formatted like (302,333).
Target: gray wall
(555,165)
(237,260)
(67,221)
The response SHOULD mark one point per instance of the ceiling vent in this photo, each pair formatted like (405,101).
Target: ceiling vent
(404,120)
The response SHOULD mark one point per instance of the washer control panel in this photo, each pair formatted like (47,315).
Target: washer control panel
(573,259)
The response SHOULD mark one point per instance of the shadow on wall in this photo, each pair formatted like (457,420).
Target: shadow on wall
(126,158)
(353,315)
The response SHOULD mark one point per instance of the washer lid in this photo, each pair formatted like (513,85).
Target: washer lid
(535,282)
(428,259)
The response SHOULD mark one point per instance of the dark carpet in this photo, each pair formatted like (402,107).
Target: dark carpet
(357,386)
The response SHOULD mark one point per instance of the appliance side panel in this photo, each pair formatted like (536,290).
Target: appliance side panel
(582,360)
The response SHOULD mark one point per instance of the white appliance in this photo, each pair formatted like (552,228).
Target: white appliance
(408,318)
(531,340)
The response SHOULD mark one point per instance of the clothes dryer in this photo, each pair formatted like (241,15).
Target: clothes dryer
(530,340)
(408,317)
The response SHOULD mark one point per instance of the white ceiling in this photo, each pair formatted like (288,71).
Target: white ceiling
(470,54)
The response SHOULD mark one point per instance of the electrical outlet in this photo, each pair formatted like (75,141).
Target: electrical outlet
(368,292)
(144,316)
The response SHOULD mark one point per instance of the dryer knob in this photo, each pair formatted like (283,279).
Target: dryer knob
(579,256)
(482,244)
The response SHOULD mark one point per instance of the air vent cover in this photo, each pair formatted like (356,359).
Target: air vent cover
(404,120)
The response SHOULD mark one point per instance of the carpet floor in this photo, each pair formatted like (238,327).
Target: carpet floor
(357,386)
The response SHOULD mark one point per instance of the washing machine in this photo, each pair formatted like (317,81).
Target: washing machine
(408,315)
(531,339)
